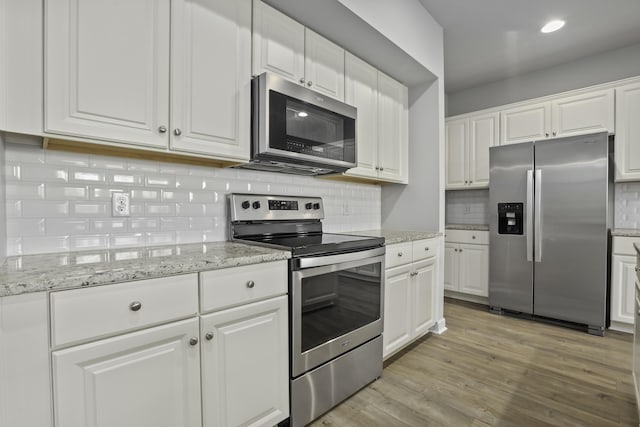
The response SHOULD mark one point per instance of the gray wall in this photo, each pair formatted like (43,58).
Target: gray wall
(602,68)
(416,206)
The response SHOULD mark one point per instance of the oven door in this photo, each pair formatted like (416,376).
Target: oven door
(335,307)
(299,124)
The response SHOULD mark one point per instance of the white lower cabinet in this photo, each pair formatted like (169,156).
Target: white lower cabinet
(623,275)
(245,365)
(149,378)
(409,293)
(466,263)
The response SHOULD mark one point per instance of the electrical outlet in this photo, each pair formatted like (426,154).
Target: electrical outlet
(120,204)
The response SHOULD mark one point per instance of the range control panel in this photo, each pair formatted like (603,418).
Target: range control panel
(257,207)
(510,218)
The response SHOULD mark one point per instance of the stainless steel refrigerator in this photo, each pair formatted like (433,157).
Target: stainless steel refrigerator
(550,217)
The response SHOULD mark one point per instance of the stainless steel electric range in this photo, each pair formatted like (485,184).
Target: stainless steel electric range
(336,284)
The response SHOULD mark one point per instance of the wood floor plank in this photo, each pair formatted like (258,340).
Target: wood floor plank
(490,370)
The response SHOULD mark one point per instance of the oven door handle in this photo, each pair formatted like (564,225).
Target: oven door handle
(319,261)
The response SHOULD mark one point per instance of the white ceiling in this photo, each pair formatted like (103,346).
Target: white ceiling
(490,40)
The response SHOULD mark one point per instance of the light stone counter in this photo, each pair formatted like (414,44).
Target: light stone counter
(56,271)
(473,227)
(626,232)
(397,236)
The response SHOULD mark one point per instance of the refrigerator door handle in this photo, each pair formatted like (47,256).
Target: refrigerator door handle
(529,229)
(537,245)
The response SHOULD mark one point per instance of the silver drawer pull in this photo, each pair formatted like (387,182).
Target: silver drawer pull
(399,253)
(135,306)
(250,284)
(193,341)
(473,237)
(426,249)
(209,336)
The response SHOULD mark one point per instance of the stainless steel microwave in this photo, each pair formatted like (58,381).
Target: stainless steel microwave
(297,130)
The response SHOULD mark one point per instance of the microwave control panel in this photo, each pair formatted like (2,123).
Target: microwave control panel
(510,218)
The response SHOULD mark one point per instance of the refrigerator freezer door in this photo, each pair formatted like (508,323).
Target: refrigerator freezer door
(571,253)
(510,273)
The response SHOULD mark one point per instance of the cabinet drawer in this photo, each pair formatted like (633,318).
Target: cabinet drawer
(624,245)
(426,248)
(239,285)
(82,314)
(398,254)
(467,236)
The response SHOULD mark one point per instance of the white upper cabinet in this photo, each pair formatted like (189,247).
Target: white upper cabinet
(564,116)
(585,113)
(361,91)
(393,126)
(107,70)
(211,77)
(285,47)
(278,43)
(116,85)
(527,123)
(456,153)
(627,149)
(467,150)
(324,65)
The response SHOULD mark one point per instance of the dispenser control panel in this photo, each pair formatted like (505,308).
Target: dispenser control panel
(510,218)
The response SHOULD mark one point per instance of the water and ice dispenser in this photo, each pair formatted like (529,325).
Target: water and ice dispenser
(510,218)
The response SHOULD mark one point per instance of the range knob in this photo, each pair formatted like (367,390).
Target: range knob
(308,205)
(256,205)
(245,204)
(316,206)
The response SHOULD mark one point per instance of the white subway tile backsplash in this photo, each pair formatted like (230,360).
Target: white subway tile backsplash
(65,199)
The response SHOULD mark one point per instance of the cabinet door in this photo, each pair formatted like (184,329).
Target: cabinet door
(324,65)
(424,280)
(483,133)
(623,288)
(398,329)
(455,153)
(580,114)
(628,133)
(361,91)
(108,70)
(523,124)
(474,269)
(211,77)
(149,378)
(245,365)
(278,43)
(451,269)
(393,126)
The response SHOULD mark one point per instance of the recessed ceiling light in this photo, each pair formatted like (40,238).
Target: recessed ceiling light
(552,26)
(302,114)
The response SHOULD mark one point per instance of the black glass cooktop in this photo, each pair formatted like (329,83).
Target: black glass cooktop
(321,243)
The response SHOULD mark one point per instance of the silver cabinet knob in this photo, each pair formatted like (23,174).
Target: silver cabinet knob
(473,237)
(554,134)
(309,83)
(251,284)
(400,253)
(135,306)
(470,182)
(302,80)
(427,248)
(193,341)
(466,182)
(162,129)
(460,250)
(547,134)
(177,132)
(455,250)
(209,336)
(381,169)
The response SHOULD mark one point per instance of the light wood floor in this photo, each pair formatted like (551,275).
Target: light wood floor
(490,370)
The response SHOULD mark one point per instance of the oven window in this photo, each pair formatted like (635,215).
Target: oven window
(339,302)
(298,127)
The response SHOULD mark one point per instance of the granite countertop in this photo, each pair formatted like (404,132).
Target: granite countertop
(626,232)
(392,237)
(474,227)
(67,270)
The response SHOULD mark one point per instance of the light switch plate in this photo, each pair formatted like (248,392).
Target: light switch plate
(120,204)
